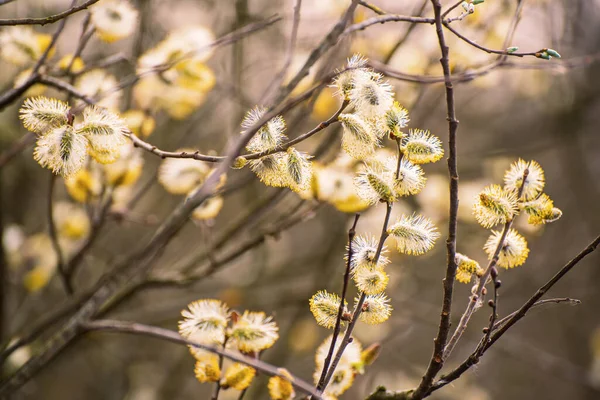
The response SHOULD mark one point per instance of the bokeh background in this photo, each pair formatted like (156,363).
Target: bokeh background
(535,109)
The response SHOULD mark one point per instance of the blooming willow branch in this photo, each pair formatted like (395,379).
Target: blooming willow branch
(168,335)
(338,321)
(471,307)
(507,322)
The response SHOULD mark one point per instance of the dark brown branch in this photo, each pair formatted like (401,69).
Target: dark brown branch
(437,359)
(170,336)
(47,20)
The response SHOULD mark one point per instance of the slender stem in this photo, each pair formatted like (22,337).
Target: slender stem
(217,389)
(387,18)
(170,336)
(494,305)
(60,259)
(437,361)
(558,300)
(338,321)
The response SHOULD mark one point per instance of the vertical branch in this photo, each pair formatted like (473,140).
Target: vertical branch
(437,360)
(60,259)
(338,321)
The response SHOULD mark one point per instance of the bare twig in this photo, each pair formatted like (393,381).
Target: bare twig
(387,18)
(47,20)
(437,360)
(278,79)
(539,303)
(16,148)
(217,390)
(168,335)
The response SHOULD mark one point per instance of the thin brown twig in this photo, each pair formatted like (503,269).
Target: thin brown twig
(47,20)
(372,7)
(278,79)
(170,336)
(406,35)
(486,49)
(387,18)
(493,303)
(539,303)
(137,142)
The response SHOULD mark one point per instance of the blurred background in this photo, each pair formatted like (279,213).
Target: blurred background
(531,109)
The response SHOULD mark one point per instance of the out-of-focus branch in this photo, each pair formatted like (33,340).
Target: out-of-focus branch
(387,18)
(168,335)
(136,265)
(47,20)
(60,258)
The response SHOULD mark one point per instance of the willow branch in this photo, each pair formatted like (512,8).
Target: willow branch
(358,308)
(338,320)
(464,320)
(170,336)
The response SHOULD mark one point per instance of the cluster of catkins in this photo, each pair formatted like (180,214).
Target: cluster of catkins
(211,322)
(497,204)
